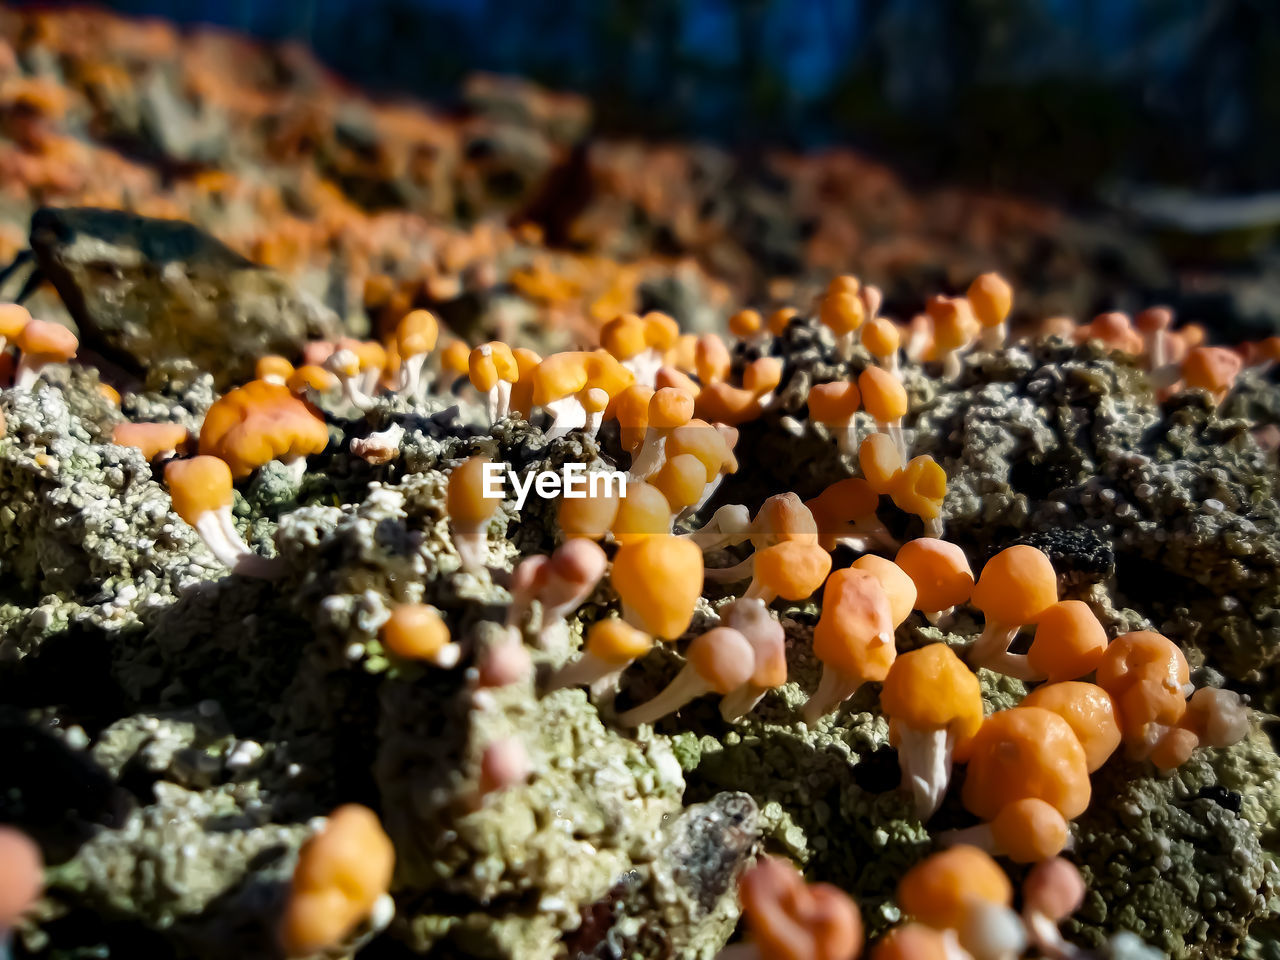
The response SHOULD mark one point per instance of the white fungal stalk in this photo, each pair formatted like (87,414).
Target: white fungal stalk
(925,758)
(687,685)
(218,531)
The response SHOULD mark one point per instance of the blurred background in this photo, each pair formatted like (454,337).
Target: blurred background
(1103,153)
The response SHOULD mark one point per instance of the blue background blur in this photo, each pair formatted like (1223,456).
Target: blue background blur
(1060,95)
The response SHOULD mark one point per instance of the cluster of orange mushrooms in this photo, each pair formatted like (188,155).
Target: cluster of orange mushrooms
(679,409)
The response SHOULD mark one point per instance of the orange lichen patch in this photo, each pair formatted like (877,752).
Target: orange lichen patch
(792,569)
(681,479)
(913,941)
(934,705)
(259,422)
(416,631)
(1026,752)
(711,359)
(659,580)
(939,570)
(1113,330)
(991,298)
(273,369)
(898,587)
(1069,642)
(791,920)
(942,889)
(1090,712)
(1028,831)
(152,439)
(745,324)
(1148,678)
(718,661)
(21,875)
(1211,368)
(642,512)
(41,343)
(341,873)
(920,489)
(880,461)
(853,639)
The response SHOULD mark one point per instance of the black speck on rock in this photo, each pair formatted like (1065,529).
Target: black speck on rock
(1077,553)
(1227,799)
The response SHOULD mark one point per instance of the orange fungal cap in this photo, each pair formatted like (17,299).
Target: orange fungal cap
(939,570)
(1016,586)
(883,395)
(152,439)
(659,580)
(1069,642)
(1026,752)
(940,890)
(198,486)
(898,587)
(1090,712)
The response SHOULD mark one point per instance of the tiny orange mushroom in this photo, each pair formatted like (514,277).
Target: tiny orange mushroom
(201,492)
(1026,752)
(416,631)
(718,661)
(611,646)
(853,639)
(1090,712)
(942,889)
(470,511)
(1068,644)
(845,515)
(152,439)
(789,919)
(342,873)
(885,399)
(41,343)
(934,705)
(659,581)
(992,299)
(833,405)
(940,571)
(1213,369)
(1147,676)
(252,425)
(1015,587)
(921,489)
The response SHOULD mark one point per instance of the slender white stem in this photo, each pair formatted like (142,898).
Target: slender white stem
(649,459)
(686,686)
(993,338)
(995,640)
(925,759)
(28,371)
(834,688)
(734,574)
(738,703)
(567,414)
